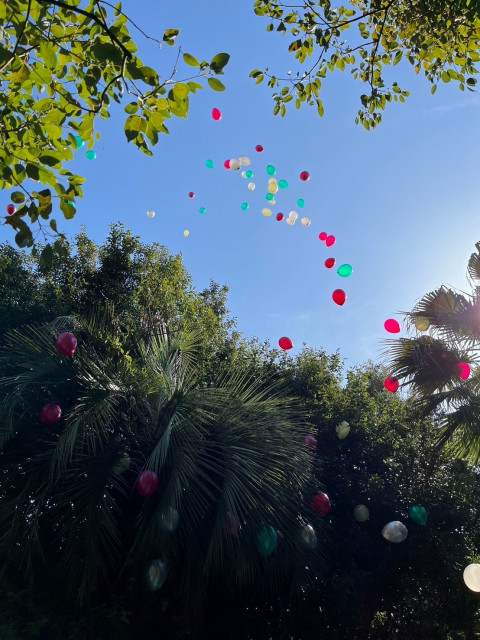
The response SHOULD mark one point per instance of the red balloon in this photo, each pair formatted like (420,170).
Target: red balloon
(66,344)
(191,194)
(50,413)
(147,483)
(392,326)
(463,370)
(391,384)
(330,262)
(285,343)
(304,176)
(311,442)
(259,148)
(280,217)
(339,297)
(226,164)
(330,240)
(216,114)
(322,236)
(321,503)
(11,209)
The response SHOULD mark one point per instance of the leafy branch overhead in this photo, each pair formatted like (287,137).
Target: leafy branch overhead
(439,38)
(61,68)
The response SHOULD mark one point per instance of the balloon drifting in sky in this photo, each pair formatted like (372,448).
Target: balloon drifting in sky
(290,222)
(11,209)
(471,577)
(244,206)
(283,184)
(271,170)
(244,174)
(259,148)
(272,186)
(293,215)
(279,217)
(266,212)
(235,164)
(249,174)
(330,241)
(226,164)
(463,369)
(147,483)
(186,233)
(209,164)
(391,384)
(79,142)
(270,197)
(361,513)
(395,531)
(301,202)
(322,236)
(339,297)
(304,176)
(391,326)
(202,210)
(306,222)
(191,194)
(245,161)
(285,343)
(321,503)
(216,114)
(422,323)
(330,262)
(251,186)
(150,213)
(66,344)
(91,155)
(345,270)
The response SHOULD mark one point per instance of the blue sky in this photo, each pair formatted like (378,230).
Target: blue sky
(403,200)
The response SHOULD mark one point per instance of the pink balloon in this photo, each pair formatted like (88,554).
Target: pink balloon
(50,413)
(322,236)
(339,297)
(285,343)
(463,370)
(216,114)
(191,194)
(391,384)
(330,240)
(147,483)
(391,326)
(66,344)
(226,164)
(311,442)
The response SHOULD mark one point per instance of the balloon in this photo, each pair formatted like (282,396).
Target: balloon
(290,222)
(330,262)
(322,236)
(266,212)
(226,164)
(321,503)
(235,164)
(249,174)
(283,184)
(271,170)
(147,483)
(244,174)
(251,186)
(244,206)
(471,577)
(121,465)
(186,233)
(395,531)
(463,369)
(270,197)
(391,326)
(311,442)
(266,540)
(361,513)
(150,213)
(50,413)
(342,429)
(308,537)
(339,297)
(280,217)
(245,161)
(330,241)
(391,384)
(66,344)
(418,514)
(209,164)
(259,148)
(304,176)
(232,527)
(169,519)
(306,222)
(11,209)
(345,270)
(216,114)
(293,215)
(422,323)
(285,343)
(79,142)
(191,194)
(202,210)
(156,574)
(272,187)
(91,155)
(301,202)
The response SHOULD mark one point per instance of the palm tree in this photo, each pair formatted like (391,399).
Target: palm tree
(440,365)
(229,456)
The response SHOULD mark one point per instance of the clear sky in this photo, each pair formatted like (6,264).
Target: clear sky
(403,200)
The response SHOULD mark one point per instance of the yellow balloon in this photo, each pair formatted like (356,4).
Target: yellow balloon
(186,233)
(266,212)
(422,323)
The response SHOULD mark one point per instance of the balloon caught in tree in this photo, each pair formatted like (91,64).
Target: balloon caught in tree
(418,514)
(463,369)
(11,209)
(266,540)
(50,413)
(156,574)
(361,513)
(66,344)
(147,483)
(320,503)
(395,531)
(471,577)
(391,384)
(308,537)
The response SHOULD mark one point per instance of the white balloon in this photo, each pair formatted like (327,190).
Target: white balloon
(293,215)
(169,519)
(244,161)
(290,222)
(306,222)
(471,576)
(395,531)
(251,186)
(361,513)
(244,174)
(150,213)
(235,164)
(342,429)
(308,537)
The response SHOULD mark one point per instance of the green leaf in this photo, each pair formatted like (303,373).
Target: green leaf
(23,238)
(131,108)
(180,91)
(46,257)
(216,85)
(190,60)
(67,209)
(219,62)
(170,35)
(32,171)
(53,225)
(17,197)
(149,75)
(47,52)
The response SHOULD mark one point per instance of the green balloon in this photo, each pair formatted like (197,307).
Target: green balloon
(79,142)
(271,170)
(266,540)
(270,197)
(244,206)
(249,174)
(202,210)
(301,202)
(209,164)
(345,270)
(283,184)
(418,514)
(91,155)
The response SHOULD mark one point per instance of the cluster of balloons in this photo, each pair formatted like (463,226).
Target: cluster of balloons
(90,155)
(66,345)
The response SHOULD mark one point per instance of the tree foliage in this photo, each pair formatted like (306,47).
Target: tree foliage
(62,66)
(440,38)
